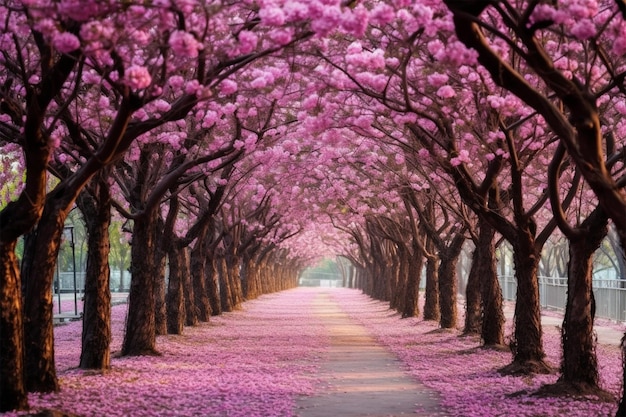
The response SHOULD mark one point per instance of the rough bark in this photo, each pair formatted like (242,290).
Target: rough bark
(213,290)
(251,287)
(140,335)
(198,267)
(527,341)
(12,390)
(492,326)
(621,409)
(233,277)
(175,300)
(414,275)
(473,316)
(400,281)
(448,283)
(95,204)
(392,281)
(226,300)
(191,311)
(579,365)
(159,290)
(431,293)
(38,267)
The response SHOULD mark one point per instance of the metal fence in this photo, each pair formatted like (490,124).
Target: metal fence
(609,294)
(320,279)
(69,282)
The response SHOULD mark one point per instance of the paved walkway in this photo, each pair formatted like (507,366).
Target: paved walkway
(361,378)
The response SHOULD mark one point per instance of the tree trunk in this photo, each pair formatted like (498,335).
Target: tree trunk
(18,218)
(411,300)
(398,295)
(198,268)
(394,273)
(38,267)
(140,335)
(96,336)
(160,265)
(448,282)
(225,290)
(527,343)
(249,275)
(579,365)
(12,390)
(213,290)
(492,328)
(175,301)
(473,316)
(191,312)
(431,303)
(621,410)
(232,269)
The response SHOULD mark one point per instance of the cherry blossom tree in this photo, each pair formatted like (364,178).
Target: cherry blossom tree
(134,69)
(419,82)
(546,39)
(32,77)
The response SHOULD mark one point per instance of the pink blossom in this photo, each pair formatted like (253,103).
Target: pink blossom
(65,42)
(310,101)
(423,15)
(329,20)
(382,14)
(184,44)
(356,21)
(247,41)
(437,79)
(455,161)
(259,82)
(543,13)
(364,122)
(176,82)
(96,31)
(137,77)
(376,82)
(209,119)
(281,36)
(583,29)
(446,91)
(79,10)
(47,27)
(272,16)
(186,6)
(619,38)
(620,106)
(296,11)
(582,9)
(228,87)
(457,54)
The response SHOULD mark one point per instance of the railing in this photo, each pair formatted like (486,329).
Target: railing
(320,279)
(609,295)
(68,281)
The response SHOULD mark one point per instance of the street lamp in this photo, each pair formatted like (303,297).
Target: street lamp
(68,231)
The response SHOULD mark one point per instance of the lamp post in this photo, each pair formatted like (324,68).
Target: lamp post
(70,230)
(58,287)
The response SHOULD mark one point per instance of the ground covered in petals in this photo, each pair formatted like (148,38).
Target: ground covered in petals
(253,362)
(466,377)
(257,361)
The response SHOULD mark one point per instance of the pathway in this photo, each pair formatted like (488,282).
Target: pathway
(361,378)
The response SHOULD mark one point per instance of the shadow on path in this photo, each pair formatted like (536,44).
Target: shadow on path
(360,377)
